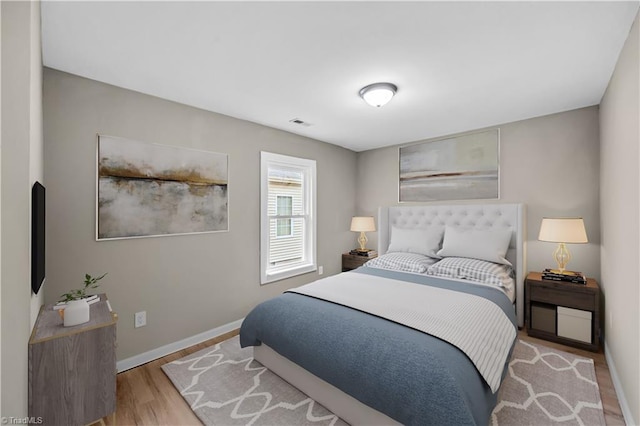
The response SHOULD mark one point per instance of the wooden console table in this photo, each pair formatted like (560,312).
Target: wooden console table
(72,370)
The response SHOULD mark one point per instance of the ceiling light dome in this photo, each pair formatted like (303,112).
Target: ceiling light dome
(378,94)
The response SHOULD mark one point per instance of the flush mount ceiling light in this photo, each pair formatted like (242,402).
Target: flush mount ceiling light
(378,94)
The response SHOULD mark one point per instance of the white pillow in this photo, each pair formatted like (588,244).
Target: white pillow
(487,244)
(424,241)
(407,262)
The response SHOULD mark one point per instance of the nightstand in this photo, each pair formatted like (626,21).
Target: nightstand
(353,261)
(563,312)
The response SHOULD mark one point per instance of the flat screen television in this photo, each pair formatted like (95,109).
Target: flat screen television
(37,236)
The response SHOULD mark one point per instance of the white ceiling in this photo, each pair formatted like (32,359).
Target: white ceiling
(458,65)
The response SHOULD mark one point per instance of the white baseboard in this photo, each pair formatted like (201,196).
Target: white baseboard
(154,354)
(622,400)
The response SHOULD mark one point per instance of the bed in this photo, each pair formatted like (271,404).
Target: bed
(373,345)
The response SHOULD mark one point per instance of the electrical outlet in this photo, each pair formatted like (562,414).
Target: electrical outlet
(140,319)
(320,270)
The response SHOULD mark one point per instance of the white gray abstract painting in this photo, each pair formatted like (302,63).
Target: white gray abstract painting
(457,168)
(147,189)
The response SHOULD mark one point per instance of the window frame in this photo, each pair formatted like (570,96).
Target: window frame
(269,273)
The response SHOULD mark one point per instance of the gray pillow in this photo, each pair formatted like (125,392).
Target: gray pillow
(485,244)
(424,241)
(406,262)
(474,270)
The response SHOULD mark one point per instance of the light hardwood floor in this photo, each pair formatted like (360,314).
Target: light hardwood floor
(147,397)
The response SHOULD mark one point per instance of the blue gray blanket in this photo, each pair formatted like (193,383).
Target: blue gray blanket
(410,376)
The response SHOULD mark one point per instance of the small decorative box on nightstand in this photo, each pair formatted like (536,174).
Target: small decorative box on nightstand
(353,261)
(563,312)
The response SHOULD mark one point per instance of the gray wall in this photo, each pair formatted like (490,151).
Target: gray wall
(549,163)
(620,210)
(187,284)
(21,123)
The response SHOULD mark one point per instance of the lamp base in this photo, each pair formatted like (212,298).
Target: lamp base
(562,256)
(362,239)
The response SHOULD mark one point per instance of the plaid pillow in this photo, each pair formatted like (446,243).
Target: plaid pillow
(473,270)
(406,262)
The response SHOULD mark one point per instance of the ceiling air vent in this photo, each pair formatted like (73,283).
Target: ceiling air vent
(300,122)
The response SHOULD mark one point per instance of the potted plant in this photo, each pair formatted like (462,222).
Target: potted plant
(76,307)
(89,283)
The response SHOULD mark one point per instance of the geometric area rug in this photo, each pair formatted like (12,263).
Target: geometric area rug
(548,386)
(223,385)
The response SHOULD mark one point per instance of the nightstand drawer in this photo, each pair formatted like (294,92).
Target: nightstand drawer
(351,261)
(573,299)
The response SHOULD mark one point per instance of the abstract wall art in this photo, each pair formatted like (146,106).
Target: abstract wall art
(456,168)
(146,189)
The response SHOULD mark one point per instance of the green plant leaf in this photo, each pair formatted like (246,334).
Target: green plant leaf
(89,283)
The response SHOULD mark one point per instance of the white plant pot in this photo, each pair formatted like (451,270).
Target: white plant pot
(76,312)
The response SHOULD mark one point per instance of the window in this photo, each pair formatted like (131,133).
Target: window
(288,217)
(284,204)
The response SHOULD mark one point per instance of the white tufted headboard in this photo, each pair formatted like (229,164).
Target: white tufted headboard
(478,216)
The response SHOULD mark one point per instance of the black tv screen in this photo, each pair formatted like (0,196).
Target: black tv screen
(37,236)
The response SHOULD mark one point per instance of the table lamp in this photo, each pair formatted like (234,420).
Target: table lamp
(362,224)
(562,230)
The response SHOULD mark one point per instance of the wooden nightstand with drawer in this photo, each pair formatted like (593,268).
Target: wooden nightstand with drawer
(353,261)
(563,312)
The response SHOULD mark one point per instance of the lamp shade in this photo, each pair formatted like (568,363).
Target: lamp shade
(363,224)
(378,94)
(563,230)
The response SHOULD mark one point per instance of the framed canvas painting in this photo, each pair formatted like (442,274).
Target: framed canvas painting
(456,168)
(146,189)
